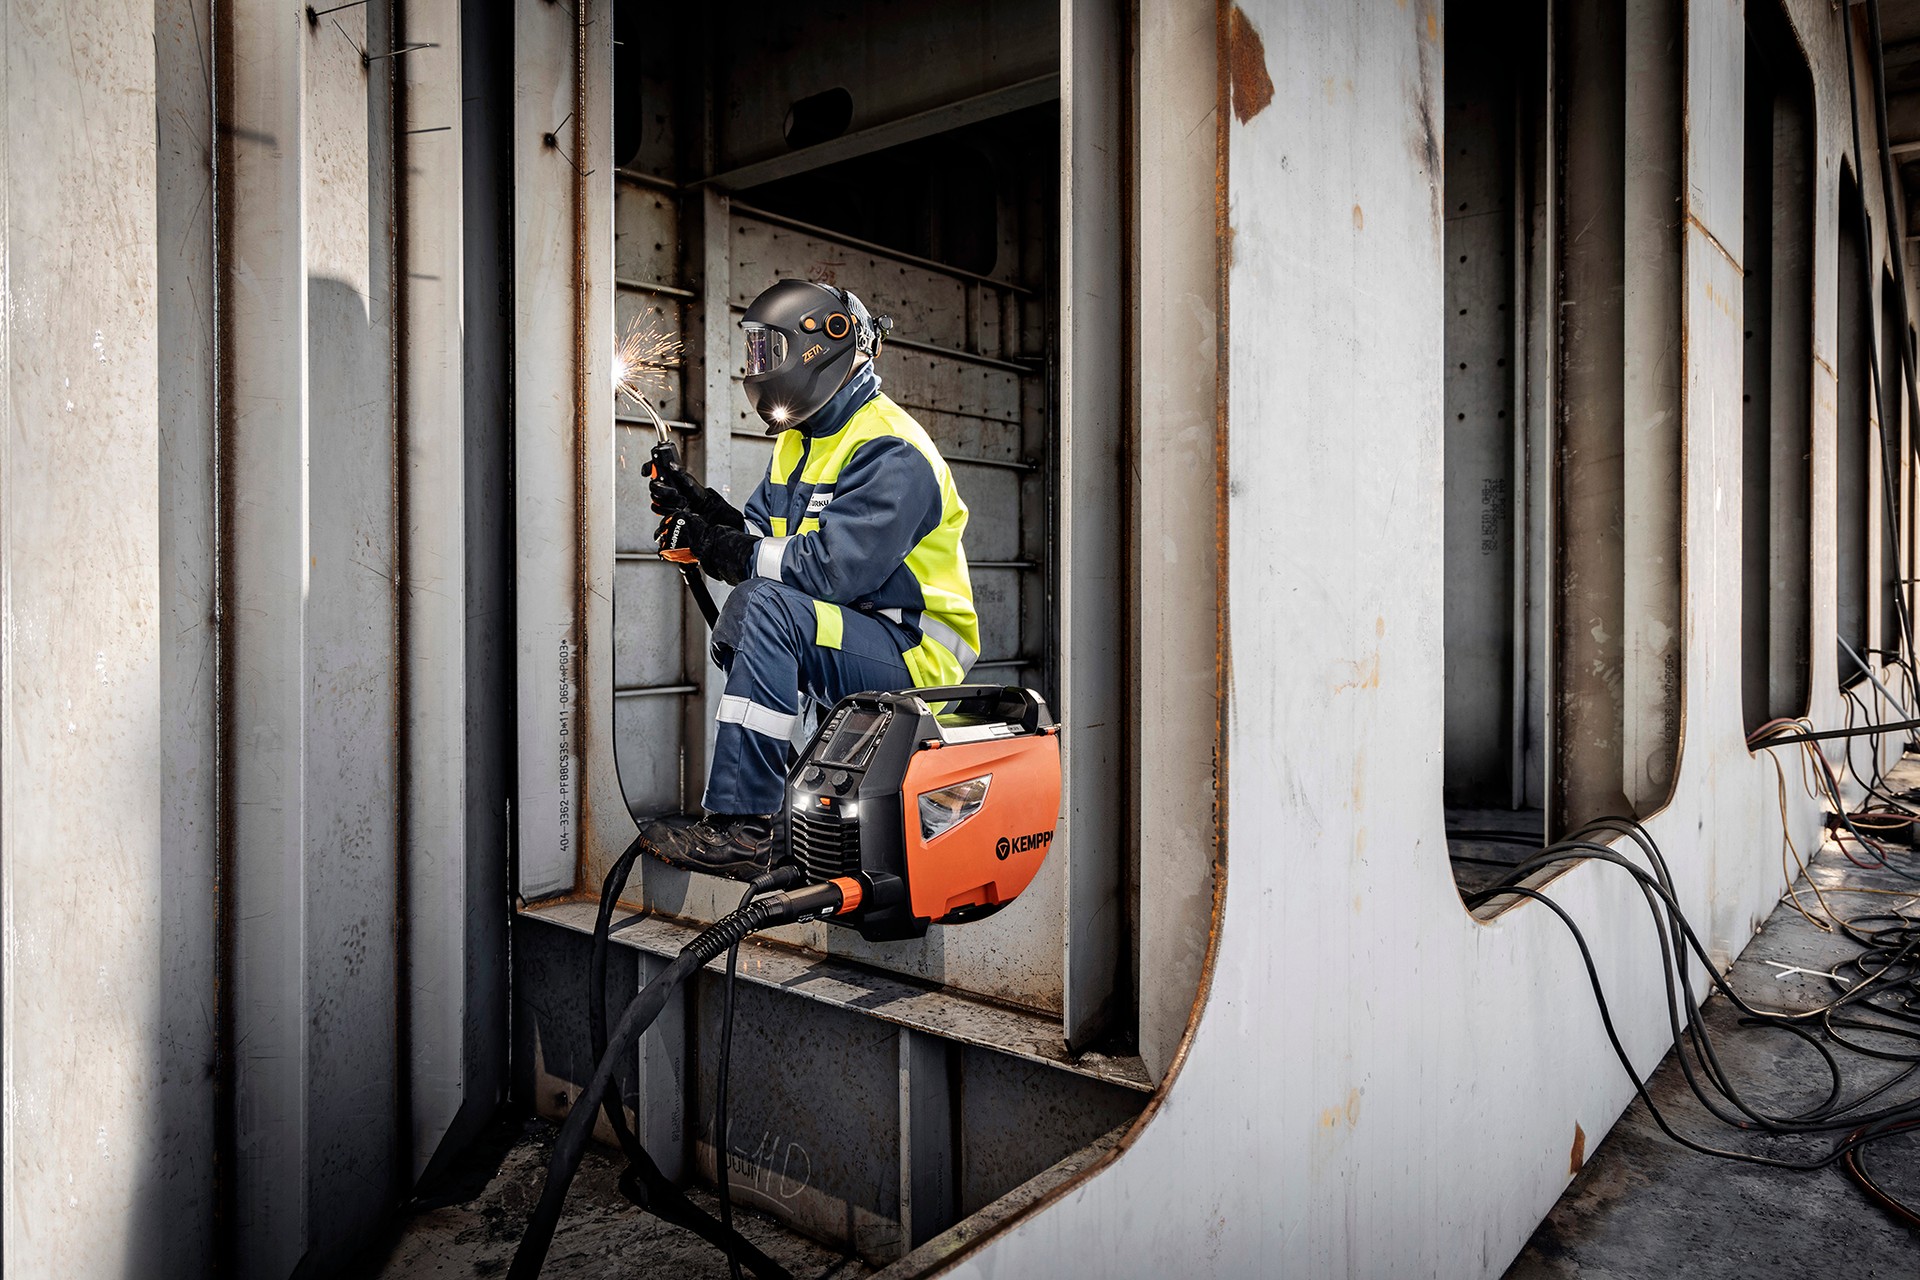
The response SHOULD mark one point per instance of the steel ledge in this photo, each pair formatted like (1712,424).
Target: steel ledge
(917,1006)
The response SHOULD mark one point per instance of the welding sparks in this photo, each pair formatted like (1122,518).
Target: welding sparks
(644,359)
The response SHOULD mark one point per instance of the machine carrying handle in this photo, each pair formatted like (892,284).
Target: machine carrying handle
(1010,703)
(961,692)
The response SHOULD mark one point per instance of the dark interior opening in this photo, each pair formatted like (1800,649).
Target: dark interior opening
(1777,374)
(1853,375)
(1494,533)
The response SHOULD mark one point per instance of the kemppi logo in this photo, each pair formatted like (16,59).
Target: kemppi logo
(1005,847)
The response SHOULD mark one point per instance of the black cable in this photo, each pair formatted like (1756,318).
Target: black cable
(1824,735)
(1890,964)
(570,1147)
(643,1183)
(720,1171)
(782,878)
(1856,1166)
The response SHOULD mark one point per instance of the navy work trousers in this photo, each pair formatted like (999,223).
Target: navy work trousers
(777,644)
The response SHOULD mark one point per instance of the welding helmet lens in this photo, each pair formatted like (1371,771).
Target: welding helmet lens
(766,349)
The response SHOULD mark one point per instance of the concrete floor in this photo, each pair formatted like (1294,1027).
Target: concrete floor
(601,1234)
(1643,1206)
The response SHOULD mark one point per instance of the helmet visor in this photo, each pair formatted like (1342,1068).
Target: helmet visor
(766,349)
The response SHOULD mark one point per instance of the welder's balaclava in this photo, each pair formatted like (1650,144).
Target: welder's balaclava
(803,341)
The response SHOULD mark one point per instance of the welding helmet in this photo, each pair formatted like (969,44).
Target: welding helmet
(803,341)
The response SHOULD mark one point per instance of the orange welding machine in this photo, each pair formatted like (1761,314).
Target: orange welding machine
(927,806)
(908,809)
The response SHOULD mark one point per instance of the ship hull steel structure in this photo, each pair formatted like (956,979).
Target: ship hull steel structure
(308,529)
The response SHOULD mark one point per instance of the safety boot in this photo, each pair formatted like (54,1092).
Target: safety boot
(720,844)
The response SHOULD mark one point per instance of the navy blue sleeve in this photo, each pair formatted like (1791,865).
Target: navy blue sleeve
(759,504)
(885,500)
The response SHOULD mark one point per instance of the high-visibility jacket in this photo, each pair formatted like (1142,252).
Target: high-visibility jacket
(858,510)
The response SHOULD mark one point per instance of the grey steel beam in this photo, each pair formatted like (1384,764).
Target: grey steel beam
(450,1024)
(890,133)
(929,1147)
(264,411)
(1655,161)
(652,286)
(1176,591)
(1091,592)
(868,246)
(354,852)
(711,255)
(84,825)
(485,112)
(569,807)
(1589,623)
(639,423)
(189,1100)
(653,690)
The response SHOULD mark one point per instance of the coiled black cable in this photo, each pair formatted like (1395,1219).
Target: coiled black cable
(662,1197)
(1879,998)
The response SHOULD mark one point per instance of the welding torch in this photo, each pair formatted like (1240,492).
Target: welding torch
(666,464)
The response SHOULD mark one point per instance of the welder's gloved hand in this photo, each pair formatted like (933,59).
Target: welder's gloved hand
(673,490)
(726,554)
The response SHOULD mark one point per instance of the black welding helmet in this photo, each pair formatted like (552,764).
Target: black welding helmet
(803,341)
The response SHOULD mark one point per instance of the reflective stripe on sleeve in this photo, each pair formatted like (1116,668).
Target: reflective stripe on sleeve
(828,624)
(770,557)
(755,718)
(945,636)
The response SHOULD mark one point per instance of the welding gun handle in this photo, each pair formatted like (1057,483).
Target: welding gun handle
(666,465)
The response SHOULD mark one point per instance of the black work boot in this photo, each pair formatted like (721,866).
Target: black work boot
(721,844)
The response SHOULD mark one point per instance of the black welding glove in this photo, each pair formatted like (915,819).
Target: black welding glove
(673,490)
(726,554)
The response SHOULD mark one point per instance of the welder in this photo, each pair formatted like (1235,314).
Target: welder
(847,564)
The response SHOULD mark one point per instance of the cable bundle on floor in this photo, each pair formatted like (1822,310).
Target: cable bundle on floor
(1879,1001)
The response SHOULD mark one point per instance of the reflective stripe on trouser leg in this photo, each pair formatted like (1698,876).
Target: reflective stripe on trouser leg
(828,624)
(770,631)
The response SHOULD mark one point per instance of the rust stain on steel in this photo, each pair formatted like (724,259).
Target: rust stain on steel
(1578,1158)
(1227,20)
(1694,222)
(582,570)
(1252,87)
(225,1133)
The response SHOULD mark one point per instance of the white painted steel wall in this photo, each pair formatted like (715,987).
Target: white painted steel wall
(247,979)
(1379,1085)
(84,1067)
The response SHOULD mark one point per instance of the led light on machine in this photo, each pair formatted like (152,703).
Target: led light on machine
(943,810)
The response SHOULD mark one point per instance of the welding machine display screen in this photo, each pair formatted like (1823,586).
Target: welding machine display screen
(855,737)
